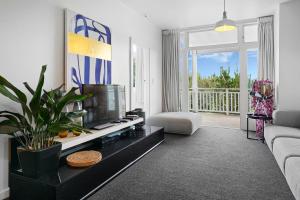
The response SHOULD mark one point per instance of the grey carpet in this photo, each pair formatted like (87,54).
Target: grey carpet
(212,164)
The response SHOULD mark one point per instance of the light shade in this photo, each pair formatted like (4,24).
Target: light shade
(225,24)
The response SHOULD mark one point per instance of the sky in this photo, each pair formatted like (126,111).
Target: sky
(210,63)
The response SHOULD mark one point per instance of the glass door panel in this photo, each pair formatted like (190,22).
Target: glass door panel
(214,82)
(252,68)
(252,71)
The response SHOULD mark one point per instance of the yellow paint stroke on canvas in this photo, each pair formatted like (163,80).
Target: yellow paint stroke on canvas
(78,44)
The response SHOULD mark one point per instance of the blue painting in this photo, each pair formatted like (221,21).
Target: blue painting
(88,51)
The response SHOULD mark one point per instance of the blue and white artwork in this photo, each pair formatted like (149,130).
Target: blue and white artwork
(88,51)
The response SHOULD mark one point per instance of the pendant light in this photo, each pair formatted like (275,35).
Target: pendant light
(225,24)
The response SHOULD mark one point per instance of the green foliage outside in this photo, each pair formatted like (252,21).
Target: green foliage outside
(222,80)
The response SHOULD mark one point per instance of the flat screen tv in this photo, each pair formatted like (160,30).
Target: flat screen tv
(105,105)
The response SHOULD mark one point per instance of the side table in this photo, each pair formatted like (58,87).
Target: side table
(260,117)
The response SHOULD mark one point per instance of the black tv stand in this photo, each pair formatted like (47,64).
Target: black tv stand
(71,183)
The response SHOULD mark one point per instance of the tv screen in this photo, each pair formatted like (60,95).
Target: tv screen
(104,106)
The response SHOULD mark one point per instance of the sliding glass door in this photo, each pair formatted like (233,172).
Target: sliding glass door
(217,78)
(221,70)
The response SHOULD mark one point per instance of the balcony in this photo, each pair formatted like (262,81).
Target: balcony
(219,106)
(220,120)
(215,100)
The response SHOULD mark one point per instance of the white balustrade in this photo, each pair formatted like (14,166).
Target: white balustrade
(219,100)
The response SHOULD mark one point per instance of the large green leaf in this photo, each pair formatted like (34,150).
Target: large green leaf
(79,128)
(39,121)
(45,115)
(12,121)
(8,127)
(8,94)
(19,96)
(48,97)
(70,97)
(20,117)
(57,127)
(64,119)
(22,97)
(53,94)
(11,118)
(58,90)
(35,102)
(65,122)
(76,114)
(28,112)
(29,88)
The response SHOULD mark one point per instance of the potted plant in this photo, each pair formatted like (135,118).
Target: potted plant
(39,121)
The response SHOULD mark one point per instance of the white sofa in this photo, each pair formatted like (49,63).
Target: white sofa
(283,139)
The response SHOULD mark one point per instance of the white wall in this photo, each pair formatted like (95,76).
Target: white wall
(276,52)
(32,34)
(289,55)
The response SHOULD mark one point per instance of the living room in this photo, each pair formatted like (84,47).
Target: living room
(173,99)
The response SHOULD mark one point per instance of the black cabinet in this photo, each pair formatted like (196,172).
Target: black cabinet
(72,183)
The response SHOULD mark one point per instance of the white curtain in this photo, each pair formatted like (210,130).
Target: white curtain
(266,69)
(139,78)
(170,72)
(183,71)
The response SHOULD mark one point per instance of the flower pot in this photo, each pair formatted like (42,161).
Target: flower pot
(35,164)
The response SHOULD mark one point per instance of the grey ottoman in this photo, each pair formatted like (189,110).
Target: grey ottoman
(176,122)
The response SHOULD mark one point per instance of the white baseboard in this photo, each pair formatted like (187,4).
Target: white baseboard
(4,193)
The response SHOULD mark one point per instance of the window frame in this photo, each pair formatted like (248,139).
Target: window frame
(241,46)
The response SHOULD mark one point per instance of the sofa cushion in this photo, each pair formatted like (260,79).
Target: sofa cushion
(284,149)
(274,132)
(176,122)
(292,175)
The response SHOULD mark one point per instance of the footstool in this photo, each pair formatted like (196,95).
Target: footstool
(185,123)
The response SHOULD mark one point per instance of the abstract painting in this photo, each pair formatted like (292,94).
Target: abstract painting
(88,51)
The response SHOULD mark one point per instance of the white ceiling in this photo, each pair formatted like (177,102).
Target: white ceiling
(168,14)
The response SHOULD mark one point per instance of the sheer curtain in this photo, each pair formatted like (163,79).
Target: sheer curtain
(266,69)
(170,72)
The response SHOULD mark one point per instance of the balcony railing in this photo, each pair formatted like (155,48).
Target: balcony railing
(219,100)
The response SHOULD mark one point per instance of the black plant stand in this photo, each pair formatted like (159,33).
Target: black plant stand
(259,117)
(70,183)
